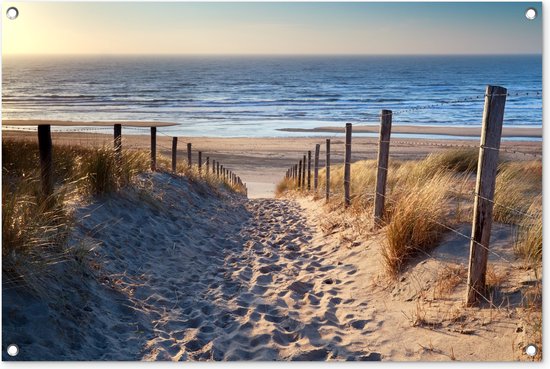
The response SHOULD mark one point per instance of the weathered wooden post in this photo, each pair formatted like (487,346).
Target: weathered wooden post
(493,116)
(207,165)
(347,167)
(218,169)
(382,170)
(213,166)
(303,173)
(316,167)
(327,170)
(46,160)
(118,144)
(300,174)
(174,153)
(189,158)
(200,161)
(309,170)
(153,148)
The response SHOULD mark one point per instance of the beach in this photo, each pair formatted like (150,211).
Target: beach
(443,130)
(174,271)
(218,182)
(262,162)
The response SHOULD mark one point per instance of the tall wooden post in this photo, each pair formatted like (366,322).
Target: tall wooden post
(327,170)
(347,167)
(207,165)
(304,173)
(300,174)
(491,130)
(213,166)
(316,167)
(118,143)
(153,148)
(189,158)
(218,169)
(46,160)
(309,170)
(382,170)
(200,161)
(174,153)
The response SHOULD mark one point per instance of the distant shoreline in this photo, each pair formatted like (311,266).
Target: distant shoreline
(453,131)
(526,132)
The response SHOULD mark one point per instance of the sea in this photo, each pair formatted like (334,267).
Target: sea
(258,96)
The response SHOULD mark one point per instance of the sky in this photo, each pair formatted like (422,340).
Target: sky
(271,28)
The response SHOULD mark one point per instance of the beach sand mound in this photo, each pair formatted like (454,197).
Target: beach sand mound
(180,271)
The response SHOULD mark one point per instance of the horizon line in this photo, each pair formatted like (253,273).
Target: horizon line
(272,54)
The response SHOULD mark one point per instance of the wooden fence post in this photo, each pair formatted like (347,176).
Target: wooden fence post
(327,169)
(189,159)
(382,170)
(493,116)
(300,174)
(218,169)
(309,170)
(304,173)
(316,167)
(207,165)
(347,167)
(46,160)
(174,153)
(200,161)
(153,148)
(118,143)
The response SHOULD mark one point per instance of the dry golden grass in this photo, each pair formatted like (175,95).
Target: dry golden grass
(449,278)
(416,221)
(35,229)
(425,196)
(529,240)
(516,183)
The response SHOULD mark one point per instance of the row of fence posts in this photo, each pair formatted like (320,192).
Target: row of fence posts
(218,169)
(46,159)
(493,116)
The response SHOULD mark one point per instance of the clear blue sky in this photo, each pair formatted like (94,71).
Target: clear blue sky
(272,28)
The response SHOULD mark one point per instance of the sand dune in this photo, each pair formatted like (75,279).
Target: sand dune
(185,274)
(182,272)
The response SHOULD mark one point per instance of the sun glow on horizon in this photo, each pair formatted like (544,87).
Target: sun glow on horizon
(271,28)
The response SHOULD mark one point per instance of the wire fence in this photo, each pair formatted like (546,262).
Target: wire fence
(107,137)
(297,174)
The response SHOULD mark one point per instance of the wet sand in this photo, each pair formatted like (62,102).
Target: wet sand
(524,132)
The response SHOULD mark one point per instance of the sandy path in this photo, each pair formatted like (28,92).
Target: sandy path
(183,272)
(269,296)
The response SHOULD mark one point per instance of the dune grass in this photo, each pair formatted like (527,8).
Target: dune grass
(516,184)
(416,221)
(529,238)
(425,197)
(35,229)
